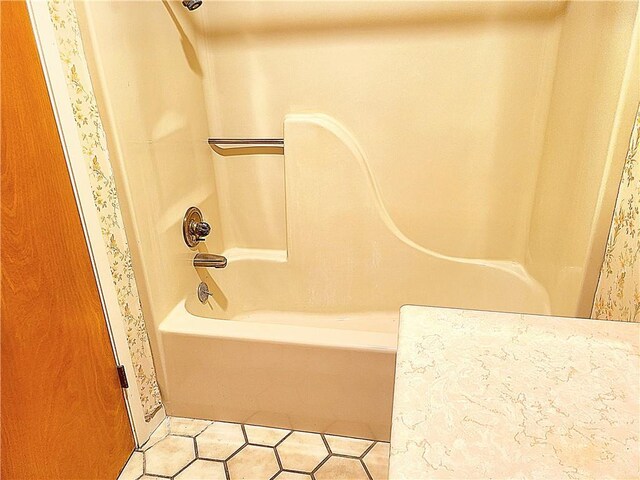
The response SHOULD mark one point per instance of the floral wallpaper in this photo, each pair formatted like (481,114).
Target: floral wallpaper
(94,146)
(618,292)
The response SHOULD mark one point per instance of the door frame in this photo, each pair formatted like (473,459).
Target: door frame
(56,84)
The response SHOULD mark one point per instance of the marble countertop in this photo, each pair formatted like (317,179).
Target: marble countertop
(496,395)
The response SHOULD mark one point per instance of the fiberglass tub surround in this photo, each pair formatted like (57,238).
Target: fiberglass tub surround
(435,153)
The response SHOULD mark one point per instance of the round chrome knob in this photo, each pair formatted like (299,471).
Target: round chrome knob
(200,230)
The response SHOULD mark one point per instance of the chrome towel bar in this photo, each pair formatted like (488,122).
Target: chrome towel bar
(246,141)
(247,146)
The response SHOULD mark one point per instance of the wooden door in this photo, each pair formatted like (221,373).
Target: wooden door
(63,411)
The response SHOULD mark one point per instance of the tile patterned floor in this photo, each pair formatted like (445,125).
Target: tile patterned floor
(190,449)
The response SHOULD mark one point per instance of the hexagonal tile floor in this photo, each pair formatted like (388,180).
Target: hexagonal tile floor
(190,449)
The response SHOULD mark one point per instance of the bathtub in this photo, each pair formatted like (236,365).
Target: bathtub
(321,373)
(311,345)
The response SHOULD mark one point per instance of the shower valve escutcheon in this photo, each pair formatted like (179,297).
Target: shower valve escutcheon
(194,228)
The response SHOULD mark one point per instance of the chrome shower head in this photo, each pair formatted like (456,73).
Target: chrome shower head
(192,4)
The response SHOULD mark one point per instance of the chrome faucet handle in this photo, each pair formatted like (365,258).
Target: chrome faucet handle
(200,230)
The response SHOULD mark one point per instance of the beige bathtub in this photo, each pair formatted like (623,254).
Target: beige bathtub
(329,373)
(311,345)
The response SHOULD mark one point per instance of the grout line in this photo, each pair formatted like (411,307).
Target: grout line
(182,435)
(291,470)
(236,452)
(195,447)
(320,465)
(144,464)
(210,460)
(369,448)
(284,438)
(260,445)
(326,444)
(348,437)
(366,469)
(272,477)
(198,434)
(342,455)
(364,465)
(183,468)
(226,470)
(275,451)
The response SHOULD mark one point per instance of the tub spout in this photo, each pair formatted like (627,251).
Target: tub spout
(209,260)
